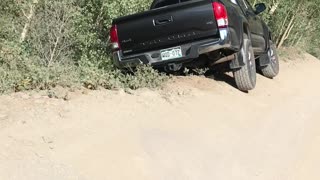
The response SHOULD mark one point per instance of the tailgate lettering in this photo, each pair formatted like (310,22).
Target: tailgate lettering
(170,38)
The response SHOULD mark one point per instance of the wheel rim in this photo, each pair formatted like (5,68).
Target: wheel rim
(251,62)
(272,57)
(251,59)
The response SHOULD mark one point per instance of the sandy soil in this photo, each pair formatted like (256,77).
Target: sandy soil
(194,128)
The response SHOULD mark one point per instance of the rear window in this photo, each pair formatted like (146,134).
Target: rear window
(163,3)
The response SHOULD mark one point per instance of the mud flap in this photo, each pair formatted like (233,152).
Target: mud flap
(237,62)
(264,60)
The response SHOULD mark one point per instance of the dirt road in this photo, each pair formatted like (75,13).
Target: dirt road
(194,129)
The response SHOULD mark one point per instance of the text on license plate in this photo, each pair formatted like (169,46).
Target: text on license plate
(171,53)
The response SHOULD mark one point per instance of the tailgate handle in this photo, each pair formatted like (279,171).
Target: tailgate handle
(162,21)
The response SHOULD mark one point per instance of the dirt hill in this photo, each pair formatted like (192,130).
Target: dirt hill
(193,128)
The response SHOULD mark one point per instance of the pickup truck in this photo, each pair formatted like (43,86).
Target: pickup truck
(180,33)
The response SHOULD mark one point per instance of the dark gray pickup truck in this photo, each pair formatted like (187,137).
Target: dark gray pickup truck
(181,33)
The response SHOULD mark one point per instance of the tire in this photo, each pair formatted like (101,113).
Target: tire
(271,70)
(246,76)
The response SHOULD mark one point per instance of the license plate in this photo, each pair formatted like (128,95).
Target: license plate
(171,53)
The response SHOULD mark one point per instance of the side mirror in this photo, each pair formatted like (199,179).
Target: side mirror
(260,7)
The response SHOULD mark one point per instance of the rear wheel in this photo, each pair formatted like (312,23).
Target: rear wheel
(245,77)
(272,69)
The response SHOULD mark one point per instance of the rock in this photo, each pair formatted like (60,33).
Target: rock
(85,91)
(3,116)
(47,140)
(67,97)
(59,93)
(121,92)
(129,91)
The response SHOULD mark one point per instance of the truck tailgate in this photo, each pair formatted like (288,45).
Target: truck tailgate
(166,27)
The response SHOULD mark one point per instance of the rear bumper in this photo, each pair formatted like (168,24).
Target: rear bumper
(190,51)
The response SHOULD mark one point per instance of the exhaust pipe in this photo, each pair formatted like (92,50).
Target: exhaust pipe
(224,59)
(173,67)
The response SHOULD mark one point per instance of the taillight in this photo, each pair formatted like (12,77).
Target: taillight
(114,38)
(221,15)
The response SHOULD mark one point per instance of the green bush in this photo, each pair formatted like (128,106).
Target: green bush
(66,45)
(294,23)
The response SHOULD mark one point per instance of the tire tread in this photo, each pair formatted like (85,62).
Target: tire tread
(269,71)
(243,78)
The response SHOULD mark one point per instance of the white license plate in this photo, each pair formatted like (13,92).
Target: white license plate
(171,53)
